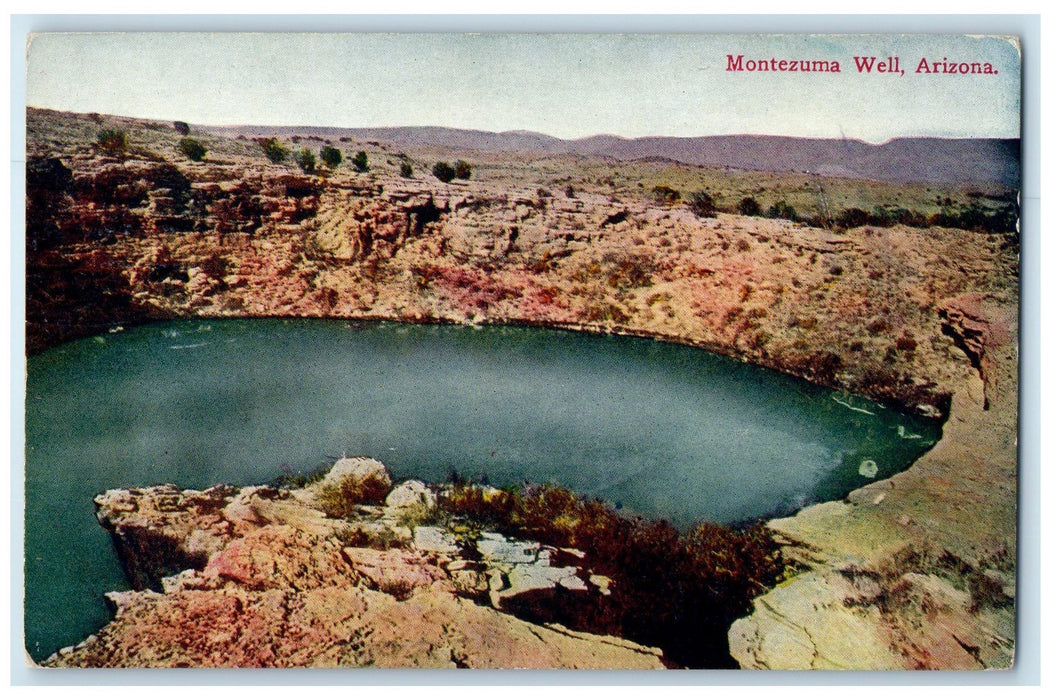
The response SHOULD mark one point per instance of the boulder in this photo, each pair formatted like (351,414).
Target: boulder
(410,494)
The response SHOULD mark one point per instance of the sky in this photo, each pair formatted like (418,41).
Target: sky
(568,86)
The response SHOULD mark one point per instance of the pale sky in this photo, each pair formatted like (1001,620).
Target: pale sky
(563,85)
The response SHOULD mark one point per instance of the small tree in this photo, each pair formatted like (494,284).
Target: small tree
(182,127)
(276,151)
(462,170)
(113,141)
(702,204)
(443,171)
(331,157)
(782,210)
(749,207)
(360,161)
(406,169)
(306,160)
(192,149)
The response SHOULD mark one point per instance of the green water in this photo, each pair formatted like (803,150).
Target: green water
(659,429)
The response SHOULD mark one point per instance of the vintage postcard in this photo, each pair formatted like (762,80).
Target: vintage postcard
(590,351)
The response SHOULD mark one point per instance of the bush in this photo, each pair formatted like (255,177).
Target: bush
(340,500)
(782,210)
(702,204)
(182,127)
(443,171)
(570,192)
(406,169)
(305,159)
(749,207)
(276,151)
(113,141)
(665,194)
(677,591)
(331,157)
(462,170)
(360,161)
(192,149)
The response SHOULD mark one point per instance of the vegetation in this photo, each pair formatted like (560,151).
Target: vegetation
(702,204)
(443,171)
(276,151)
(182,127)
(113,141)
(678,591)
(462,170)
(360,162)
(406,169)
(192,149)
(331,157)
(340,500)
(306,160)
(749,207)
(666,194)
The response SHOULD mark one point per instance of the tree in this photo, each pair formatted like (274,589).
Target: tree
(443,171)
(360,161)
(113,141)
(276,151)
(331,157)
(306,160)
(749,207)
(462,170)
(781,210)
(702,204)
(182,127)
(406,169)
(192,149)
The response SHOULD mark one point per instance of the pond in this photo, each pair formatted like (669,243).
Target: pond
(663,430)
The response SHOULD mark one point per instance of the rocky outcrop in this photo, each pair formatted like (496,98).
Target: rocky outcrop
(258,577)
(916,571)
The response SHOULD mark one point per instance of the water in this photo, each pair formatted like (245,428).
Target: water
(659,429)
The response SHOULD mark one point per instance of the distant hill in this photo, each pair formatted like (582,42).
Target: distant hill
(934,160)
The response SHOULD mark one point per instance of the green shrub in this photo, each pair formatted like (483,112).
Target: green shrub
(113,141)
(406,169)
(360,162)
(782,210)
(192,149)
(702,204)
(306,160)
(665,194)
(276,151)
(443,171)
(331,157)
(182,127)
(749,207)
(462,170)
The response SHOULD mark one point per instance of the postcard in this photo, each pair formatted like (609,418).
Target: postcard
(522,351)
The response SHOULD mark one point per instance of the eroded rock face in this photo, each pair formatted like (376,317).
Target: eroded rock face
(916,571)
(256,577)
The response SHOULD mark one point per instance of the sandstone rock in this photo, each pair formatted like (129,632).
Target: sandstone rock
(411,493)
(357,469)
(435,539)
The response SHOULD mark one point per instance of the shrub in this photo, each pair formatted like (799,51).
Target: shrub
(276,151)
(306,160)
(702,204)
(360,162)
(665,194)
(570,192)
(182,127)
(192,149)
(782,210)
(113,141)
(749,207)
(406,169)
(462,170)
(331,157)
(443,171)
(341,499)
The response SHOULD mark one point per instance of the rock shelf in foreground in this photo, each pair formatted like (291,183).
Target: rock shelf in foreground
(260,577)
